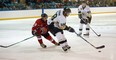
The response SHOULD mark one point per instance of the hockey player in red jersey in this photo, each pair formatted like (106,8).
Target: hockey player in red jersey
(40,28)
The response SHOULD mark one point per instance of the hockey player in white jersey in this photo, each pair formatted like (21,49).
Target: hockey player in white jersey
(57,24)
(84,14)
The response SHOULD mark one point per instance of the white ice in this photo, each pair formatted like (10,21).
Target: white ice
(12,31)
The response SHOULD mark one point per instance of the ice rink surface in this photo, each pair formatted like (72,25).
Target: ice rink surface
(16,30)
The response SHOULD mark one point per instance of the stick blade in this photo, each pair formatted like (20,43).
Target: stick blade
(3,46)
(99,35)
(100,47)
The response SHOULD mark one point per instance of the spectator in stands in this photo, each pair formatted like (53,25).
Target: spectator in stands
(2,4)
(28,7)
(36,6)
(16,5)
(13,7)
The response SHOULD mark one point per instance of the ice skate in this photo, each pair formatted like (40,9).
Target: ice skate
(64,48)
(43,45)
(68,47)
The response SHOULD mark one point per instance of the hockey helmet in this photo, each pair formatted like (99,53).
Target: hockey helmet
(44,15)
(83,4)
(67,9)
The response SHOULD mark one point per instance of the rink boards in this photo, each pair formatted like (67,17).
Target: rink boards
(21,14)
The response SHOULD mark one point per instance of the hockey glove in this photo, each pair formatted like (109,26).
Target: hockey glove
(35,33)
(85,20)
(71,29)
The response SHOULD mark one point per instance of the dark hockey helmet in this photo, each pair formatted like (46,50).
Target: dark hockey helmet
(44,15)
(67,9)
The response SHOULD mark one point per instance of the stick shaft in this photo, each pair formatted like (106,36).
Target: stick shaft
(85,40)
(17,42)
(93,30)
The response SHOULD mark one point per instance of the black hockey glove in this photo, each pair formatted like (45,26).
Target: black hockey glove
(35,33)
(71,29)
(85,20)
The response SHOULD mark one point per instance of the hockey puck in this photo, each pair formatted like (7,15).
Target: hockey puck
(99,51)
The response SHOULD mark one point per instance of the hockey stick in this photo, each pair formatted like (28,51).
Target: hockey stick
(99,47)
(94,31)
(16,42)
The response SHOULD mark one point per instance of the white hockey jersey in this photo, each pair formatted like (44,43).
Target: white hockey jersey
(58,18)
(84,11)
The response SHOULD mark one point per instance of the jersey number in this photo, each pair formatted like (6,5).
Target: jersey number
(54,16)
